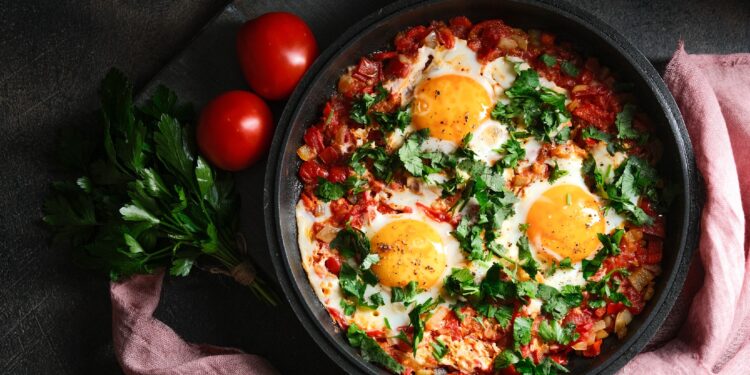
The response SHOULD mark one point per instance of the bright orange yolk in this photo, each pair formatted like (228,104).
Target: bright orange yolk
(564,222)
(450,106)
(409,250)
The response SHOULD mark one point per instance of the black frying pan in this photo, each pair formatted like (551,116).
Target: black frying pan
(590,36)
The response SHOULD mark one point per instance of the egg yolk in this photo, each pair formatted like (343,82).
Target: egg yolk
(564,222)
(451,106)
(409,250)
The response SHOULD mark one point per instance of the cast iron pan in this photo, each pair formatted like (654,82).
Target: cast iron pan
(590,36)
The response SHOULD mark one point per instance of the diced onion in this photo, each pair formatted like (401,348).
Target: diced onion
(306,153)
(507,43)
(580,346)
(601,334)
(640,278)
(622,320)
(327,233)
(599,325)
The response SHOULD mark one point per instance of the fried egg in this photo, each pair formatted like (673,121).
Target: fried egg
(562,220)
(411,247)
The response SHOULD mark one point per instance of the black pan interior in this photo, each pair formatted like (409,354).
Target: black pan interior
(589,36)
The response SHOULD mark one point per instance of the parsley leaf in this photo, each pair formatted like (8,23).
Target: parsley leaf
(411,155)
(624,123)
(540,109)
(505,358)
(557,173)
(361,107)
(553,332)
(632,179)
(513,153)
(405,294)
(558,302)
(347,307)
(494,286)
(392,121)
(594,133)
(416,321)
(329,191)
(461,283)
(548,60)
(525,258)
(439,349)
(371,350)
(569,68)
(521,332)
(350,242)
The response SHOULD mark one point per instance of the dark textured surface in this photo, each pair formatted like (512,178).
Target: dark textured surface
(55,318)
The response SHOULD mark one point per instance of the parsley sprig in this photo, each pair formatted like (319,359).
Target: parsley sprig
(143,198)
(631,180)
(541,110)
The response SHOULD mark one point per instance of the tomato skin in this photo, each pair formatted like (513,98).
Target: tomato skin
(333,265)
(275,50)
(310,171)
(234,130)
(338,174)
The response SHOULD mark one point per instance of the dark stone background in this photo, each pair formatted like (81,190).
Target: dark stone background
(55,318)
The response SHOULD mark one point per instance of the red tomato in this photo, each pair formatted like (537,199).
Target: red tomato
(275,50)
(234,130)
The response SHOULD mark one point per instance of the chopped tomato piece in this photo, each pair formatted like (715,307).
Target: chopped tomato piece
(333,264)
(409,41)
(329,155)
(460,26)
(314,138)
(594,349)
(310,171)
(338,174)
(367,71)
(437,215)
(615,307)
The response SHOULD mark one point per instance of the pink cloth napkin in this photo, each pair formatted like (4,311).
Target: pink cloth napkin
(713,93)
(146,346)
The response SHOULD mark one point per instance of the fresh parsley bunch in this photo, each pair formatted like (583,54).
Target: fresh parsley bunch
(143,198)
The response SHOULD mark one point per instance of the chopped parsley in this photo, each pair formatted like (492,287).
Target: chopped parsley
(371,350)
(439,349)
(541,110)
(611,246)
(416,321)
(329,191)
(521,331)
(632,179)
(569,68)
(405,294)
(624,123)
(461,283)
(513,152)
(391,121)
(558,302)
(548,60)
(557,173)
(361,107)
(553,332)
(526,366)
(608,289)
(525,258)
(351,242)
